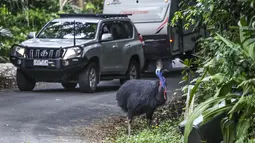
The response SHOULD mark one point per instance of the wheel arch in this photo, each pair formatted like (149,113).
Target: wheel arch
(137,59)
(96,60)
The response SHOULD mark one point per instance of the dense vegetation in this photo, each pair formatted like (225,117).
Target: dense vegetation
(226,59)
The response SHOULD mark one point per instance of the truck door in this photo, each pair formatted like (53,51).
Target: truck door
(109,60)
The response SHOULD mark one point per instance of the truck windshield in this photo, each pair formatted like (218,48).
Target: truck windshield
(63,30)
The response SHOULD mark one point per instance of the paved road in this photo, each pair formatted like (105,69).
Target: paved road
(49,113)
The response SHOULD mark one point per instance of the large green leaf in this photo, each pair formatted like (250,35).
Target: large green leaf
(239,105)
(191,95)
(229,43)
(218,77)
(210,114)
(225,89)
(197,112)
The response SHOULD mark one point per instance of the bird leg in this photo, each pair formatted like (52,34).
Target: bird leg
(129,127)
(149,118)
(149,123)
(157,121)
(129,120)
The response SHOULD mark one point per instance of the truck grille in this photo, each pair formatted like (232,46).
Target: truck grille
(44,53)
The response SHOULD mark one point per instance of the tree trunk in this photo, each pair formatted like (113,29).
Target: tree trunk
(62,4)
(80,4)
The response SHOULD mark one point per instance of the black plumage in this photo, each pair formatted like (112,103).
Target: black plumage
(137,97)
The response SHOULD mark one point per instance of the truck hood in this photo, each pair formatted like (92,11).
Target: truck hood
(53,43)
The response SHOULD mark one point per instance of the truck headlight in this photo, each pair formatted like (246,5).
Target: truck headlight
(73,52)
(18,51)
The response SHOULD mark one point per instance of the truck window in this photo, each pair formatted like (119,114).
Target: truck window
(127,29)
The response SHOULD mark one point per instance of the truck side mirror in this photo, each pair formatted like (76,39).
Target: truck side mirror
(106,37)
(31,35)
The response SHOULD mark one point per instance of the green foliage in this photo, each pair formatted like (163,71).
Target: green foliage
(227,60)
(21,17)
(215,14)
(167,132)
(21,24)
(95,6)
(226,70)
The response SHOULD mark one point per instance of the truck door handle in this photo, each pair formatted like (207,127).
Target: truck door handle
(128,45)
(114,46)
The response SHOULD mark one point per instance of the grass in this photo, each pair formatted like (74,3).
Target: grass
(166,132)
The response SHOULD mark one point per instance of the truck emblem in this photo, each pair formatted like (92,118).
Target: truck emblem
(44,53)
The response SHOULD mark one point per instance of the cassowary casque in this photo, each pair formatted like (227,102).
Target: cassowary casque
(138,97)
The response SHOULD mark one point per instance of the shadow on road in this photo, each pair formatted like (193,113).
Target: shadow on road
(99,89)
(107,86)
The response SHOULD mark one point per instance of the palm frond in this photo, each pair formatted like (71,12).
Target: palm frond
(228,128)
(242,130)
(210,114)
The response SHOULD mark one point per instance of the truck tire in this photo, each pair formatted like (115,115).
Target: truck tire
(69,85)
(88,79)
(133,71)
(24,82)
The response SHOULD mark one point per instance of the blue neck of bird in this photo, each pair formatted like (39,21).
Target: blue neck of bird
(161,78)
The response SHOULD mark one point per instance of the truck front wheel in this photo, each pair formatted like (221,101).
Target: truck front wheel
(24,82)
(88,79)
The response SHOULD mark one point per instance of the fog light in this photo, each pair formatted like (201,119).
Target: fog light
(19,62)
(65,63)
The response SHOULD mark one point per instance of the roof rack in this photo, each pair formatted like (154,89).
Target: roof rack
(94,15)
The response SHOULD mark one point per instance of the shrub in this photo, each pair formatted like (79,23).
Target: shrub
(167,132)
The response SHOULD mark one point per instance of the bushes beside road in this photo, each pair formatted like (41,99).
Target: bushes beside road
(166,132)
(7,76)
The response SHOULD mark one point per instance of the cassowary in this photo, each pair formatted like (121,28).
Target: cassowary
(137,97)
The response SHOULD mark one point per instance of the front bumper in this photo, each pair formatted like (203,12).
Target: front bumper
(57,70)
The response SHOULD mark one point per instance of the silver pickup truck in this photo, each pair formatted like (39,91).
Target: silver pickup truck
(80,49)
